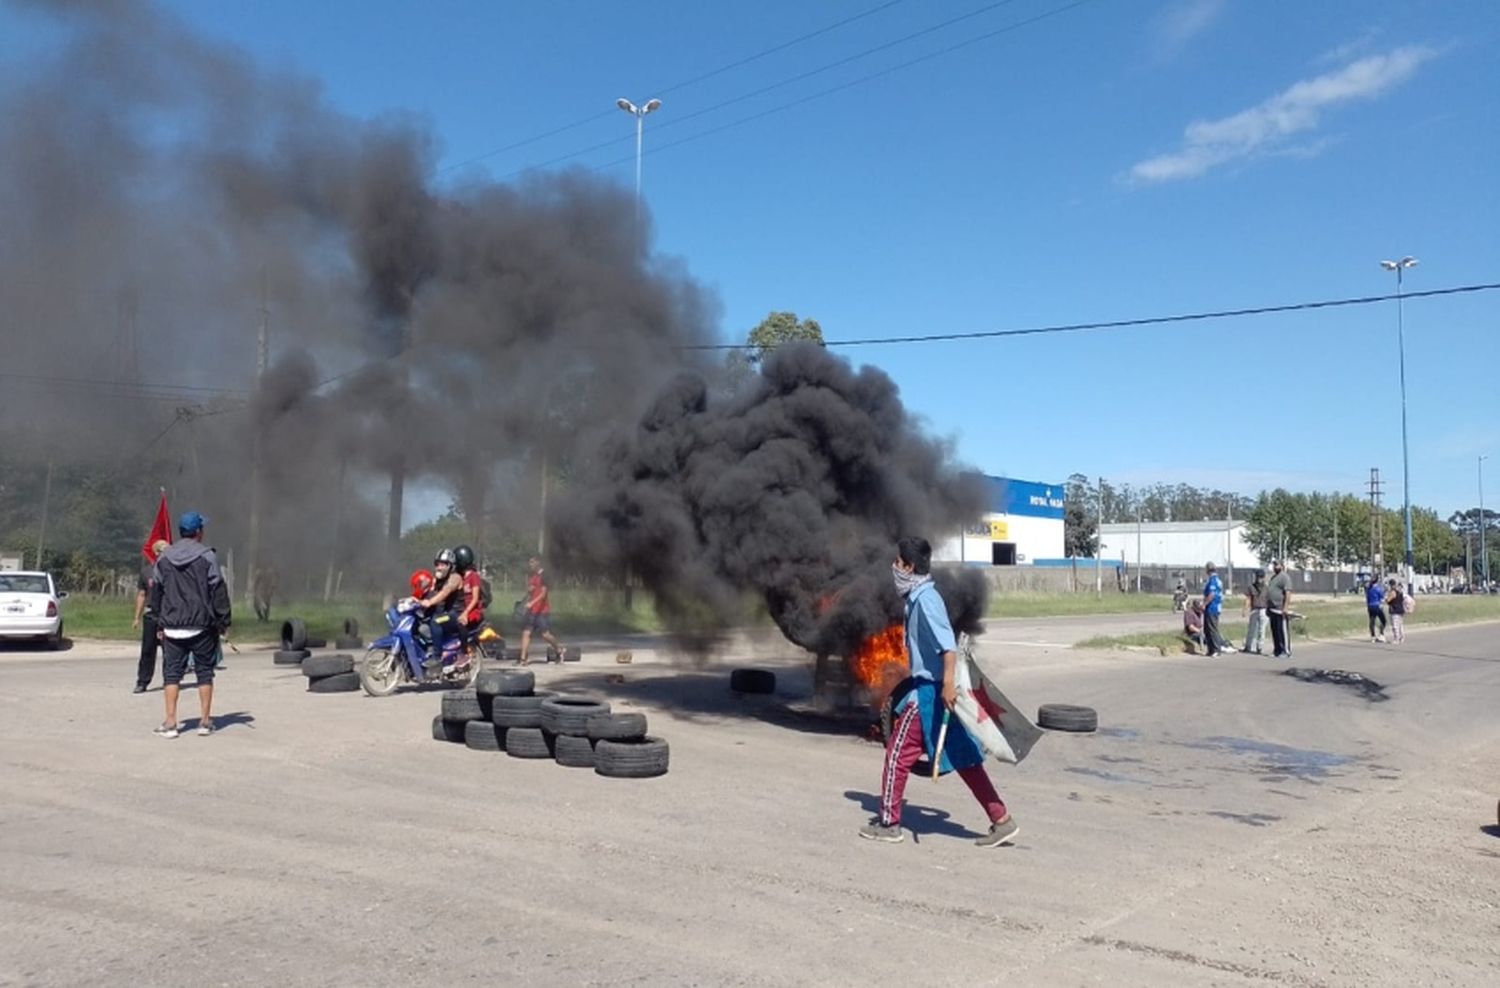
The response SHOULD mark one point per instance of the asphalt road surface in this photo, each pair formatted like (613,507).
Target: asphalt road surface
(1226,826)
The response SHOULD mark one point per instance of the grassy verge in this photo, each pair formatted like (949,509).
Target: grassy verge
(1326,619)
(1034,605)
(574,612)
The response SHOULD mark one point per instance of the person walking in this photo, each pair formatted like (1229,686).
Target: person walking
(145,621)
(1213,602)
(1278,606)
(1374,597)
(1255,607)
(191,604)
(916,704)
(1395,602)
(537,611)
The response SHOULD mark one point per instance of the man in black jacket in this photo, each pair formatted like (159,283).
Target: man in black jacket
(191,604)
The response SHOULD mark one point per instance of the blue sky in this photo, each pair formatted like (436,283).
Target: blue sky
(1117,159)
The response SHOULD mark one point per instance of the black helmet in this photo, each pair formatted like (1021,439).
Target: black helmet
(445,556)
(463,557)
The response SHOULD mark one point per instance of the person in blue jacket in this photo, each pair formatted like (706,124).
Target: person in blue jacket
(1374,597)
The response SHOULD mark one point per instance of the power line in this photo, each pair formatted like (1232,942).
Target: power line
(664,90)
(1125,323)
(178,391)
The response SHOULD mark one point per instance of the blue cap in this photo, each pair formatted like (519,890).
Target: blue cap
(191,523)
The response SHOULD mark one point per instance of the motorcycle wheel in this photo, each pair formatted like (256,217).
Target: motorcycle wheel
(380,673)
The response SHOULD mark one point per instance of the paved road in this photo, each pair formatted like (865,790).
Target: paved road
(1228,826)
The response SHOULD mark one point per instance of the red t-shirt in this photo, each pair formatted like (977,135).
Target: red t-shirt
(471,586)
(535,585)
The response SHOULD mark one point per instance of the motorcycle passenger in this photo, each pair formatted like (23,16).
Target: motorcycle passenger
(470,610)
(440,605)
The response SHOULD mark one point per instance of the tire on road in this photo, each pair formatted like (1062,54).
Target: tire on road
(752,681)
(573,752)
(448,730)
(528,742)
(316,643)
(318,666)
(293,635)
(518,711)
(643,758)
(351,628)
(344,682)
(1067,717)
(282,657)
(570,653)
(570,714)
(462,705)
(348,642)
(481,735)
(505,682)
(617,727)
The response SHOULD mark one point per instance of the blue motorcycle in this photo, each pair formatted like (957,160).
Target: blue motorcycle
(397,657)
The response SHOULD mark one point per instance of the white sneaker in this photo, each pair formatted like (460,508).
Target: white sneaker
(165,730)
(1381,639)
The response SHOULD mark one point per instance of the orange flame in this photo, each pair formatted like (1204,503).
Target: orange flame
(880,662)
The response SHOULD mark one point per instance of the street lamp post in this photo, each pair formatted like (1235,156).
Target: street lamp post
(1398,267)
(639,112)
(1484,554)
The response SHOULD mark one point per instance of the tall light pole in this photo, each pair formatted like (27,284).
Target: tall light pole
(1484,554)
(1398,267)
(639,112)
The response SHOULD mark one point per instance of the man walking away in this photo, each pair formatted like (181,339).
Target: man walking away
(1396,602)
(191,604)
(1255,604)
(1374,597)
(1213,602)
(265,589)
(917,703)
(145,620)
(538,611)
(1278,605)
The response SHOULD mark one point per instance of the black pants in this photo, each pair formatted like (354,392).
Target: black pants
(1376,614)
(1211,633)
(1280,643)
(145,670)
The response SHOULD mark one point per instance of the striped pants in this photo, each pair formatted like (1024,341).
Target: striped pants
(902,750)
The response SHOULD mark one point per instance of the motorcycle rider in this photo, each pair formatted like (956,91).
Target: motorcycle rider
(440,605)
(470,609)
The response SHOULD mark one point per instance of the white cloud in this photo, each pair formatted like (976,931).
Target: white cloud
(1266,126)
(1184,20)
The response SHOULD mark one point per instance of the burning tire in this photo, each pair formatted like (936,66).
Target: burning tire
(617,727)
(285,657)
(570,714)
(760,681)
(528,742)
(505,682)
(344,682)
(448,730)
(462,705)
(643,758)
(481,735)
(318,666)
(573,752)
(293,635)
(518,711)
(1067,717)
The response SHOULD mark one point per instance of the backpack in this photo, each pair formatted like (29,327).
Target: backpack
(1411,602)
(485,594)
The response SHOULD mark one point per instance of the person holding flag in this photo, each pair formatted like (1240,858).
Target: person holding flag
(145,618)
(922,703)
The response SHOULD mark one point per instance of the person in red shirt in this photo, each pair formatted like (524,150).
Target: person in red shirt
(538,611)
(470,610)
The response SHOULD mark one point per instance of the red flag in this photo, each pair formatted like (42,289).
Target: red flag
(161,530)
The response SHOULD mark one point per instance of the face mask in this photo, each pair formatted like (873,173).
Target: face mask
(907,582)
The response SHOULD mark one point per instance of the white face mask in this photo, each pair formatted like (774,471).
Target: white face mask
(907,582)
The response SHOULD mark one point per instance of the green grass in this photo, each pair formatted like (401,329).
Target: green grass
(1326,619)
(573,612)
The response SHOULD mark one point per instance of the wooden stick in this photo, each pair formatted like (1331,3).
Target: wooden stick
(937,755)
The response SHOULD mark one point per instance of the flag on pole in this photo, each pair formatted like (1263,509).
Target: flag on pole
(161,530)
(995,724)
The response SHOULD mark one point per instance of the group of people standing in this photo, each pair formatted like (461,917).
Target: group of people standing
(1267,602)
(1392,597)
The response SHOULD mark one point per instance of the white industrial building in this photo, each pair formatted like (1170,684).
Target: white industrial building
(1024,525)
(1178,543)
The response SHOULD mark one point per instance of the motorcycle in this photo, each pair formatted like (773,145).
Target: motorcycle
(397,658)
(1179,599)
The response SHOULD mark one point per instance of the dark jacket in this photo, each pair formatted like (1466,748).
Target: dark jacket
(187,589)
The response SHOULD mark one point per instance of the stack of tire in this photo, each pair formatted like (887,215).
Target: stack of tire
(330,673)
(295,643)
(505,712)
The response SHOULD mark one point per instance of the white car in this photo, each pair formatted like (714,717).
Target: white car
(31,606)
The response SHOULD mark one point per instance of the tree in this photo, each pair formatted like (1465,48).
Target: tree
(782,327)
(1080,528)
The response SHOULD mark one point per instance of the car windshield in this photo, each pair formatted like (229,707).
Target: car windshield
(22,583)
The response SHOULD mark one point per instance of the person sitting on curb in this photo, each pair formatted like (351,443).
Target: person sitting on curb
(1192,626)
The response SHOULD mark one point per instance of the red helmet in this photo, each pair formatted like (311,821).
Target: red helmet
(421,582)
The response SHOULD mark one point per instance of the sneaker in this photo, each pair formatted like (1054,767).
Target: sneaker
(166,730)
(1001,832)
(1380,639)
(205,728)
(138,688)
(433,663)
(875,830)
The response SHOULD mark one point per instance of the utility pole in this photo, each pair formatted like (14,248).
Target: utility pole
(1229,545)
(262,358)
(541,527)
(1335,545)
(1099,546)
(41,532)
(1484,553)
(1376,533)
(1137,550)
